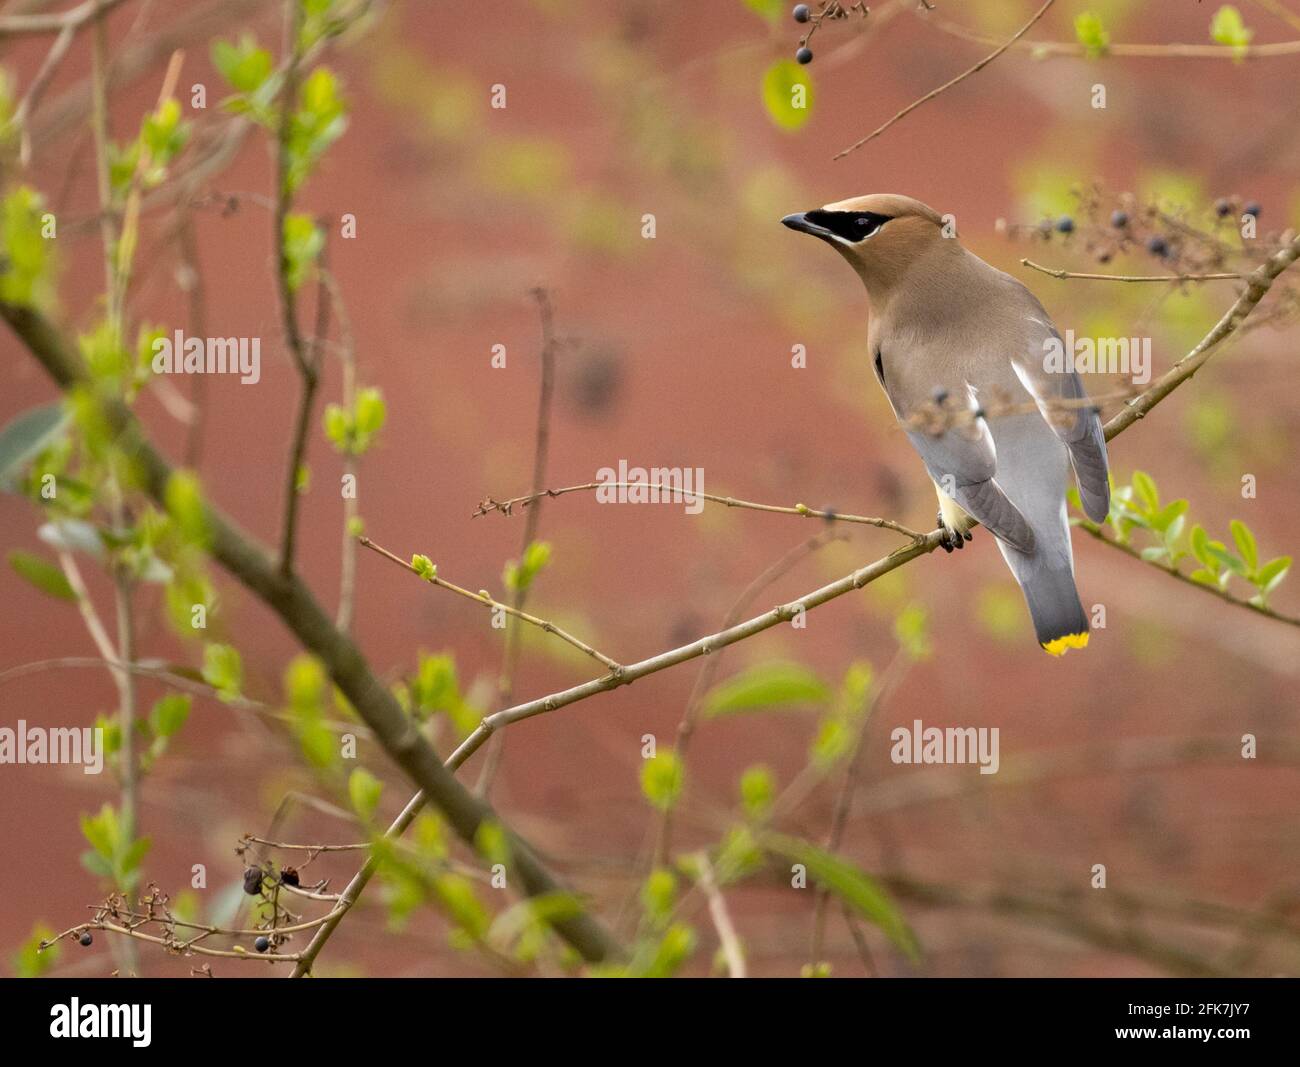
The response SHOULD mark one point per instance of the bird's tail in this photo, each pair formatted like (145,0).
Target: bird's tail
(1059,619)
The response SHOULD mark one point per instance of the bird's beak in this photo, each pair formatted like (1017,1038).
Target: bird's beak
(799,221)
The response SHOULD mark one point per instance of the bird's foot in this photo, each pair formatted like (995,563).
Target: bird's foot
(953,536)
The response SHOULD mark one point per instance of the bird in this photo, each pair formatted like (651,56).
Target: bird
(960,349)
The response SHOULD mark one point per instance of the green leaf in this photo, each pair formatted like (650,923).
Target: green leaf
(1245,542)
(41,573)
(854,887)
(244,66)
(303,242)
(30,961)
(1202,576)
(304,682)
(912,631)
(1219,552)
(757,791)
(1165,517)
(169,714)
(787,94)
(659,894)
(763,687)
(25,437)
(768,9)
(1145,486)
(184,500)
(1270,576)
(1090,33)
(26,256)
(534,915)
(1228,28)
(102,831)
(223,670)
(661,779)
(491,841)
(457,897)
(423,566)
(364,790)
(519,575)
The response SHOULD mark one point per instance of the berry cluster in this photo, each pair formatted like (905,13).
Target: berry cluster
(1188,242)
(833,9)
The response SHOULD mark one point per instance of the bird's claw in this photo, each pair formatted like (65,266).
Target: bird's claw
(952,538)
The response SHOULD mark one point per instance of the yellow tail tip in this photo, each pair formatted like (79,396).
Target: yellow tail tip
(1060,645)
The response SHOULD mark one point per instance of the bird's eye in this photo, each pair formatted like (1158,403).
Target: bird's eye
(868,225)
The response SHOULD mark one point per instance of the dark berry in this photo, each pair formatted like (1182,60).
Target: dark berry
(1119,219)
(253,881)
(1065,224)
(1157,246)
(262,943)
(1223,207)
(86,939)
(1252,209)
(289,876)
(804,55)
(801,13)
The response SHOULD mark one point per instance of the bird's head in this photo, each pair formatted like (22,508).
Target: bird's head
(882,235)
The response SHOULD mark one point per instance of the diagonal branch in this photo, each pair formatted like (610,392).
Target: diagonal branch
(252,565)
(948,84)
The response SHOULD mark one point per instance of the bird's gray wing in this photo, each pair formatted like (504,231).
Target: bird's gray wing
(1062,401)
(963,461)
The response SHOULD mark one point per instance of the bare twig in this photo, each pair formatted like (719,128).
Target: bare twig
(732,949)
(73,18)
(1055,273)
(949,84)
(483,598)
(507,506)
(541,454)
(1174,50)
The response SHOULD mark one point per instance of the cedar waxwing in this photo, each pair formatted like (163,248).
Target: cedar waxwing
(947,331)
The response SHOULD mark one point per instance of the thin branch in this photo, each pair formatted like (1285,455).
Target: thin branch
(732,949)
(1172,570)
(305,361)
(507,506)
(351,505)
(949,84)
(1043,49)
(541,454)
(73,18)
(483,598)
(22,114)
(1258,282)
(1055,273)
